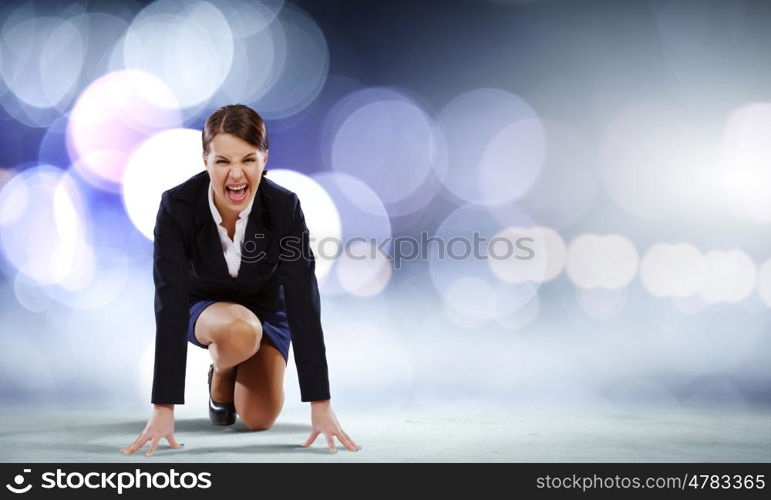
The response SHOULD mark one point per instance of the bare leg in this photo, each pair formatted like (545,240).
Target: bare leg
(259,392)
(232,333)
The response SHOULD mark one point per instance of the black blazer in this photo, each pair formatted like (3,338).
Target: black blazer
(188,264)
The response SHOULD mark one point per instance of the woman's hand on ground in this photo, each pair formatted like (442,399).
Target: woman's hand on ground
(324,421)
(160,425)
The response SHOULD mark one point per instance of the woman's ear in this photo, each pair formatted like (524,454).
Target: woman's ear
(267,152)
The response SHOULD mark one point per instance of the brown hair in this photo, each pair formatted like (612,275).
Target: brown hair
(238,120)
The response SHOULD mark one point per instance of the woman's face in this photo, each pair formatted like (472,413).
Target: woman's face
(235,169)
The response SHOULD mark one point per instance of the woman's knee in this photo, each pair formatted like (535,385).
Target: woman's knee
(262,419)
(240,332)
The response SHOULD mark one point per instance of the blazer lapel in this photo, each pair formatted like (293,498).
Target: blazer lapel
(257,253)
(259,249)
(208,239)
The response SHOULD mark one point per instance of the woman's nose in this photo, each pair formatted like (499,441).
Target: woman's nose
(236,171)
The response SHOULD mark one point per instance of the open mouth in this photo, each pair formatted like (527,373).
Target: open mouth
(237,192)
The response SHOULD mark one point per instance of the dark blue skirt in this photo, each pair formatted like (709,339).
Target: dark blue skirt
(275,326)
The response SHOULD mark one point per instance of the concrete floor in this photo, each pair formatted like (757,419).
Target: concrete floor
(673,435)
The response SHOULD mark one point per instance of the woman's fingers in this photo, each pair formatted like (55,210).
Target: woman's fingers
(153,446)
(351,440)
(173,442)
(343,437)
(137,444)
(330,442)
(126,449)
(311,439)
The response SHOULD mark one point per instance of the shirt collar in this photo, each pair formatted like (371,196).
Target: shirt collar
(216,214)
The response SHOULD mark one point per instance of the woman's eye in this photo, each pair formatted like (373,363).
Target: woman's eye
(225,161)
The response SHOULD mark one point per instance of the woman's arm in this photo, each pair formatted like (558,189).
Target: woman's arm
(171,313)
(170,274)
(301,294)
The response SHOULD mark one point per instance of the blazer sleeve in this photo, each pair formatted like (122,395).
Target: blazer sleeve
(296,270)
(170,274)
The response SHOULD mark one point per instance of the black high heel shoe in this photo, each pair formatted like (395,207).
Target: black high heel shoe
(220,413)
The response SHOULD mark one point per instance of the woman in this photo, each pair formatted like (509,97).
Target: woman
(234,274)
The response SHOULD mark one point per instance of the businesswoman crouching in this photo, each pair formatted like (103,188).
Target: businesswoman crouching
(234,274)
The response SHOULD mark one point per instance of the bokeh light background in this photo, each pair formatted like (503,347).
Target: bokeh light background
(630,140)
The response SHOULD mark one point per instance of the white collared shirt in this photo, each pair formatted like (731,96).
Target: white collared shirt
(231,248)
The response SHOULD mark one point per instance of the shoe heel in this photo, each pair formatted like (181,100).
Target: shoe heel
(222,414)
